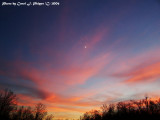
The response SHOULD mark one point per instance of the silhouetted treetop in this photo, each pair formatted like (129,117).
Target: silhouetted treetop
(9,110)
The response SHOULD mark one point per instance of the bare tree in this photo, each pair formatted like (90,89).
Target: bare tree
(40,111)
(8,102)
(49,117)
(104,109)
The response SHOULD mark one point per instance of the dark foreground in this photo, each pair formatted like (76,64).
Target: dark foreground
(9,110)
(145,109)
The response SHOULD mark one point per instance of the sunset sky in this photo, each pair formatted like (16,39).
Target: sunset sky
(76,56)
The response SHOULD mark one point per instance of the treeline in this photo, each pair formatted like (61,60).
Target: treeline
(9,109)
(145,109)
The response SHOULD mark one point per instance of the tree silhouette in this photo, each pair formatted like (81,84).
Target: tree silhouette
(7,103)
(144,109)
(23,113)
(49,117)
(9,110)
(40,111)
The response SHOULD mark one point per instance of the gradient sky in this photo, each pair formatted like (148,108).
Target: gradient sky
(76,56)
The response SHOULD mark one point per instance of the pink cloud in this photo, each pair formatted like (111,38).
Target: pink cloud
(151,72)
(140,68)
